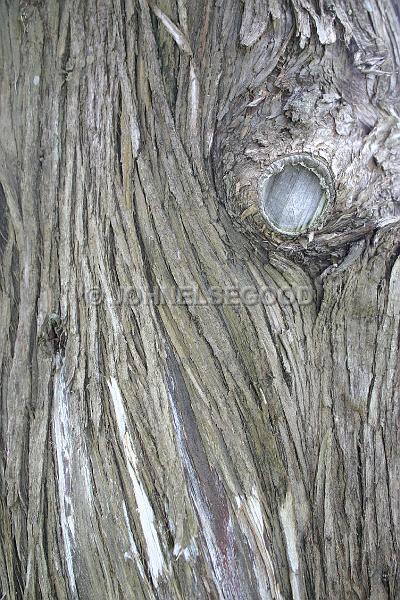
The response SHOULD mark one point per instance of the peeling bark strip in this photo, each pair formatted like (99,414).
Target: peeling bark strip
(230,451)
(63,443)
(146,515)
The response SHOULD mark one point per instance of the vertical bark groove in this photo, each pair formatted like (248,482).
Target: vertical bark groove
(197,448)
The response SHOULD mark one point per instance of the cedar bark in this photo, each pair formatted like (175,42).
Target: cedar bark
(178,449)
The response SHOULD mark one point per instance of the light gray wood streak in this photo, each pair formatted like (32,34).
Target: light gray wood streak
(191,452)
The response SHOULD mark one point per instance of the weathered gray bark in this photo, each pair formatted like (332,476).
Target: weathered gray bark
(162,450)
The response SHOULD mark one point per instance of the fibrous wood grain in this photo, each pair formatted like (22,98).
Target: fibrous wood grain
(228,449)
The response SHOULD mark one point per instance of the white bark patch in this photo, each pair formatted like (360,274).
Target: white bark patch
(194,98)
(393,305)
(191,551)
(288,521)
(388,220)
(118,406)
(63,445)
(146,514)
(256,510)
(188,553)
(133,553)
(250,515)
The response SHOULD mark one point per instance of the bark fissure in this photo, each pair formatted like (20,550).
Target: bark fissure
(198,449)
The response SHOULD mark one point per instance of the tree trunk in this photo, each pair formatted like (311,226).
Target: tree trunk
(199,391)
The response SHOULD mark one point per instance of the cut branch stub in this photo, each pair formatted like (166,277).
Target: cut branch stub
(295,192)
